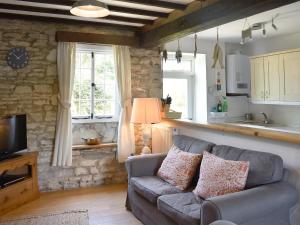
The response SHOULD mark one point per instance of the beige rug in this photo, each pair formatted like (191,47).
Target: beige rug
(76,217)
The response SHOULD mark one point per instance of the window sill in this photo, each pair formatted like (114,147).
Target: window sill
(100,146)
(81,121)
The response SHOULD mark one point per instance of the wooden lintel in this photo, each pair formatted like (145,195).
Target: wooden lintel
(66,36)
(216,14)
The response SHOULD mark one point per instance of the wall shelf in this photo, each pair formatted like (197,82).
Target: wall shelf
(89,147)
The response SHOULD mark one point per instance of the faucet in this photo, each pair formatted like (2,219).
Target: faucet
(266,120)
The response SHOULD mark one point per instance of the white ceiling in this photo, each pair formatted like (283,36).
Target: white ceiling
(287,23)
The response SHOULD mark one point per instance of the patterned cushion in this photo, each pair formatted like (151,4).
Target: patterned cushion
(219,176)
(179,167)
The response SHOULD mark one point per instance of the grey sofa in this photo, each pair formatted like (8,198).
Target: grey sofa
(265,201)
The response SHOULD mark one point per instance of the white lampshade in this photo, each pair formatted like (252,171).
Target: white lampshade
(146,111)
(90,9)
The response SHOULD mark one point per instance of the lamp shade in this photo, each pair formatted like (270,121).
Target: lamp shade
(146,111)
(90,9)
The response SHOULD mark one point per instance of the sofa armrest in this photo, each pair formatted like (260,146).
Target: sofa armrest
(143,165)
(243,206)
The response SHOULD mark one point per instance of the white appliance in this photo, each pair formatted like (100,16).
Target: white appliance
(238,74)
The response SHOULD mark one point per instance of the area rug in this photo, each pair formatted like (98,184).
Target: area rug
(76,217)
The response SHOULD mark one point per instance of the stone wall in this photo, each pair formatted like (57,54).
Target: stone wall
(33,91)
(146,81)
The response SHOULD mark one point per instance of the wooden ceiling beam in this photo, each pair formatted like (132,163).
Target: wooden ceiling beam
(216,14)
(158,3)
(66,12)
(65,36)
(67,21)
(113,8)
(140,12)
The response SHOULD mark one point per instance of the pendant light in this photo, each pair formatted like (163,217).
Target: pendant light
(90,9)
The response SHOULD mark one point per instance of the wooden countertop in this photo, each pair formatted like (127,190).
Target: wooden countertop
(255,131)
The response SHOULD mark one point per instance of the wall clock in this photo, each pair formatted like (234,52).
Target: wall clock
(17,58)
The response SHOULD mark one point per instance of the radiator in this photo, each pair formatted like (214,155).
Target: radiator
(161,138)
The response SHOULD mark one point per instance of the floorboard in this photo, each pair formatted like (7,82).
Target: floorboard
(105,205)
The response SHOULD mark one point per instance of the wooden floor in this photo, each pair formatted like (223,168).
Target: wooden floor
(105,205)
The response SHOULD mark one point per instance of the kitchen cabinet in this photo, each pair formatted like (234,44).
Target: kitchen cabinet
(275,78)
(272,85)
(290,77)
(257,79)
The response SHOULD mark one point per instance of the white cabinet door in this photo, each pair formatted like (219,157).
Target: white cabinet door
(272,86)
(257,79)
(290,77)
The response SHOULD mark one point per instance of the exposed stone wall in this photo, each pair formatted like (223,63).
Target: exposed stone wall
(33,90)
(146,80)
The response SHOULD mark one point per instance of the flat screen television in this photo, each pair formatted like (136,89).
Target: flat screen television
(13,135)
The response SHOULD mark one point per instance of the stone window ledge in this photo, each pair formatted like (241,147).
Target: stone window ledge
(83,121)
(89,147)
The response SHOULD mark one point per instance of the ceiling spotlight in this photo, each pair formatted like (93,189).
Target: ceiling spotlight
(90,9)
(273,25)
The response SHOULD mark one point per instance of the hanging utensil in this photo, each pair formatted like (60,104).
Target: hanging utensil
(165,55)
(196,47)
(178,54)
(218,54)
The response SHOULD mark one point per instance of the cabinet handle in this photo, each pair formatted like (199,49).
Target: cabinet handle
(262,94)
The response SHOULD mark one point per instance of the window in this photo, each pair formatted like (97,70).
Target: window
(94,93)
(178,82)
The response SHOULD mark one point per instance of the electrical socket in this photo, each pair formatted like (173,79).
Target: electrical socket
(175,131)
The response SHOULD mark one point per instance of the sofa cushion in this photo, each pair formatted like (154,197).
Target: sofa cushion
(219,176)
(151,187)
(183,208)
(264,168)
(192,145)
(179,167)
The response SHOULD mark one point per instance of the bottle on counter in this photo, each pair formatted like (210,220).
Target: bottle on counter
(225,104)
(219,106)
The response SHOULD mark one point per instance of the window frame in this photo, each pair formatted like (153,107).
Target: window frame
(94,49)
(189,76)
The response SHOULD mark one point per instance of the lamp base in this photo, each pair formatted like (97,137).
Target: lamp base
(146,150)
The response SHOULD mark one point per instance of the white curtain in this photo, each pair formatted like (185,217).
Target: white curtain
(126,141)
(66,72)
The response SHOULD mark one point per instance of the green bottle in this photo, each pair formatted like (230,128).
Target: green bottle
(225,105)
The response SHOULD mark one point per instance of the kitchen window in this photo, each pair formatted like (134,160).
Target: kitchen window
(94,93)
(178,82)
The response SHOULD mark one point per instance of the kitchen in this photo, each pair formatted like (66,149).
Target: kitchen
(273,101)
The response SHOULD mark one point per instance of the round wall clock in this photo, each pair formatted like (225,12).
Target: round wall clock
(17,58)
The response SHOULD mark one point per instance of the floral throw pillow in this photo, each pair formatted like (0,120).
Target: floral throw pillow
(179,167)
(220,177)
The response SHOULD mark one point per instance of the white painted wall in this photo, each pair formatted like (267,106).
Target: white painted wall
(289,152)
(285,115)
(204,47)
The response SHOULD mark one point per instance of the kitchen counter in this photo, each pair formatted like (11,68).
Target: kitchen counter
(269,131)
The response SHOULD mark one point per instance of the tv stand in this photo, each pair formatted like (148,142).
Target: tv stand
(18,189)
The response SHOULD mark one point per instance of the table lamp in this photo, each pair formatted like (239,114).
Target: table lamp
(146,111)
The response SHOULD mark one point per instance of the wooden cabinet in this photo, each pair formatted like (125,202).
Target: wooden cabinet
(257,79)
(290,77)
(272,86)
(23,191)
(275,78)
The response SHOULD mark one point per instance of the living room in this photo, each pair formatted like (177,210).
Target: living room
(84,100)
